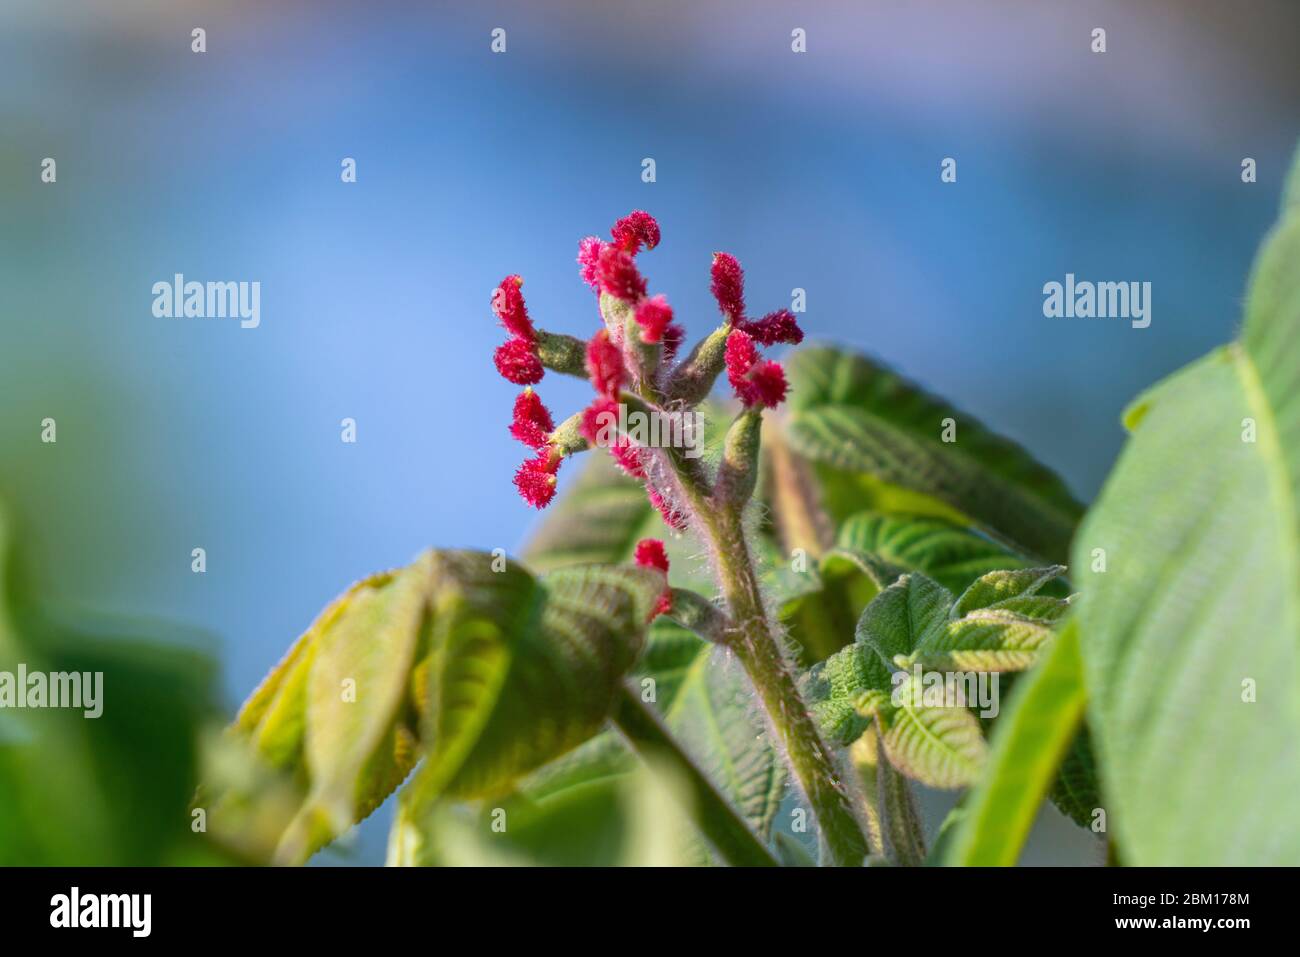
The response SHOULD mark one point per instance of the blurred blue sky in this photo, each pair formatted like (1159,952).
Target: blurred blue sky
(819,171)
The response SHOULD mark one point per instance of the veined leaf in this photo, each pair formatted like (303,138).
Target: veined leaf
(940,746)
(855,415)
(949,554)
(484,671)
(996,625)
(1192,630)
(1028,743)
(523,671)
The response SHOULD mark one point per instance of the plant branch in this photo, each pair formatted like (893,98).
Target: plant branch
(714,816)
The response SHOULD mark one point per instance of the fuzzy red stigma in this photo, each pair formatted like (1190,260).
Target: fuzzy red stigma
(532,422)
(518,363)
(728,286)
(638,228)
(536,480)
(605,364)
(653,316)
(589,261)
(599,426)
(756,381)
(767,384)
(674,517)
(508,304)
(650,554)
(779,326)
(618,274)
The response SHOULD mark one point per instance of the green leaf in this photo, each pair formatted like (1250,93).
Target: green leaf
(1190,633)
(856,416)
(1028,743)
(522,671)
(940,746)
(950,554)
(481,669)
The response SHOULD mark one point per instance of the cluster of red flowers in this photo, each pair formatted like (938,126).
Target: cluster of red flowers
(756,381)
(610,269)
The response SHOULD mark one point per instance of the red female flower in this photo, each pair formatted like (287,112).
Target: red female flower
(618,274)
(638,228)
(674,517)
(605,365)
(653,316)
(650,554)
(536,479)
(728,286)
(508,304)
(517,362)
(779,326)
(532,423)
(589,261)
(756,381)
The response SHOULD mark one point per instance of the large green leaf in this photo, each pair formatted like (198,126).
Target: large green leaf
(856,416)
(460,658)
(1192,630)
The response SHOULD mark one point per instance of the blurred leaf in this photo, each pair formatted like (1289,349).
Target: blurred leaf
(1028,743)
(855,415)
(485,673)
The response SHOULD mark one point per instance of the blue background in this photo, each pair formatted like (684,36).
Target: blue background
(818,171)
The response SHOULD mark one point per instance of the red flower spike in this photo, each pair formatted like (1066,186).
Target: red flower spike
(618,274)
(638,228)
(653,316)
(598,424)
(728,286)
(517,362)
(508,304)
(536,480)
(740,356)
(628,457)
(589,261)
(779,326)
(532,422)
(650,554)
(767,382)
(756,381)
(674,518)
(605,365)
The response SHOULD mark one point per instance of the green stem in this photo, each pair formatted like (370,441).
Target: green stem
(755,645)
(715,817)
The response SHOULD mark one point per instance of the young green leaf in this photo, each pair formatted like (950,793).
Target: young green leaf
(854,415)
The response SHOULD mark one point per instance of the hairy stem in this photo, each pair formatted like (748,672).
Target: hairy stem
(755,645)
(714,816)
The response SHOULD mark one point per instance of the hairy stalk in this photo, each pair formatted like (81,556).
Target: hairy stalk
(713,815)
(754,642)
